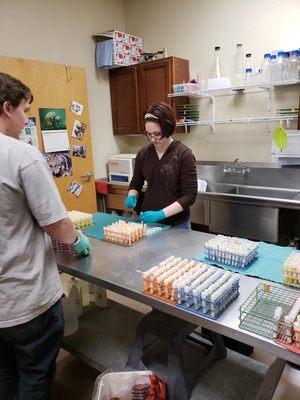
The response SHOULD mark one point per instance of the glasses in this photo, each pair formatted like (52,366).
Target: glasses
(156,136)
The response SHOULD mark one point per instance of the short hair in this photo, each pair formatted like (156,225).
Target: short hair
(13,91)
(163,114)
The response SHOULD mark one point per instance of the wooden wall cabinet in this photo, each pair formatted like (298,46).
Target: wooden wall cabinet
(134,88)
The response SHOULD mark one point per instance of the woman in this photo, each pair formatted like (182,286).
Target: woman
(169,169)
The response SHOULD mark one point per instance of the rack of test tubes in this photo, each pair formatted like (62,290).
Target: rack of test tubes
(198,287)
(274,313)
(291,270)
(124,233)
(232,251)
(63,248)
(80,219)
(153,230)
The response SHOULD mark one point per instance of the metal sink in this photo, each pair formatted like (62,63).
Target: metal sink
(221,188)
(253,191)
(273,193)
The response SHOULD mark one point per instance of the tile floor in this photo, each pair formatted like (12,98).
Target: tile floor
(75,380)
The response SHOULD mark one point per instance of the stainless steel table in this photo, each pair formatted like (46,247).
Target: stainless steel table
(119,269)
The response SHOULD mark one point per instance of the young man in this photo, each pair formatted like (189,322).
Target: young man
(31,318)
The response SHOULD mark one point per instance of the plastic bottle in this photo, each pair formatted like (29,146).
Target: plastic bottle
(293,72)
(239,65)
(257,76)
(287,65)
(216,67)
(248,76)
(280,67)
(248,70)
(248,61)
(266,68)
(272,67)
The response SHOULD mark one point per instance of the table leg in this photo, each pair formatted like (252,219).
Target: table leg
(270,382)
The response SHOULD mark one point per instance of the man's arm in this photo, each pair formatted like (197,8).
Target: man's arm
(63,231)
(44,202)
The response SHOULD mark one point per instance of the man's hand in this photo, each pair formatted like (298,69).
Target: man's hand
(82,245)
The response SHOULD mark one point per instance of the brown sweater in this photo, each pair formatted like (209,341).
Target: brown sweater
(172,178)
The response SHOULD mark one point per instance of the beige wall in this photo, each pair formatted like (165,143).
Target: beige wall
(190,29)
(60,31)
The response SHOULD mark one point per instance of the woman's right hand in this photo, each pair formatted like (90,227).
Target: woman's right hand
(130,201)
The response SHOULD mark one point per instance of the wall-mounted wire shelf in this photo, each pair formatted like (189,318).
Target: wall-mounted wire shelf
(245,120)
(232,90)
(211,94)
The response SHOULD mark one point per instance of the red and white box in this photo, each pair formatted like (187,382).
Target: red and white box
(133,60)
(118,36)
(126,48)
(119,47)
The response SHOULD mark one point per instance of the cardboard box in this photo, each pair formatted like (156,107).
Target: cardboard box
(126,48)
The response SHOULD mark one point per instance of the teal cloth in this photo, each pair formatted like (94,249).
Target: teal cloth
(268,265)
(102,219)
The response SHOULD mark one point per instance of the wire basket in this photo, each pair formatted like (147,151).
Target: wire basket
(257,314)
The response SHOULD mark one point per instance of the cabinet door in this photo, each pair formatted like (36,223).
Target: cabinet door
(124,100)
(154,81)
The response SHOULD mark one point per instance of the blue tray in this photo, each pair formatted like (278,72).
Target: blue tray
(102,219)
(268,264)
(199,312)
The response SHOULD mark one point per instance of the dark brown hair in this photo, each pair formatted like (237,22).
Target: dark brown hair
(164,116)
(13,91)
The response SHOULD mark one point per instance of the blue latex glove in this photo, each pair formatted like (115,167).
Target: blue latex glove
(130,201)
(152,216)
(82,246)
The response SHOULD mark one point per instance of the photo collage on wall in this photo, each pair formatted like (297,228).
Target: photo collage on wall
(56,141)
(57,149)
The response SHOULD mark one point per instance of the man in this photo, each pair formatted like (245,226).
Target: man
(31,318)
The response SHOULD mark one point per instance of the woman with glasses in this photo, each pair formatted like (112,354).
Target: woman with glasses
(168,167)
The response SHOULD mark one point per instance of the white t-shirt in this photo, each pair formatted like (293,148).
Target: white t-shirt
(29,199)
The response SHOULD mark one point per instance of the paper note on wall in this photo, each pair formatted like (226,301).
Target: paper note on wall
(55,141)
(29,134)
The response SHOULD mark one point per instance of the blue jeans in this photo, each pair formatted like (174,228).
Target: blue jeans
(185,225)
(27,356)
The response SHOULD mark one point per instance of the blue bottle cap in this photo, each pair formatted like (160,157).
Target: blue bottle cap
(267,55)
(248,70)
(273,57)
(281,54)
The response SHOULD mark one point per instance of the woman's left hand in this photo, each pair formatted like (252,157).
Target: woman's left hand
(152,216)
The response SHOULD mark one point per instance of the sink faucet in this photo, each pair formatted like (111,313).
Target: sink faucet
(236,168)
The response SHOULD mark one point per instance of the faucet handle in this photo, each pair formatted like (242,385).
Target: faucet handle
(246,169)
(226,169)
